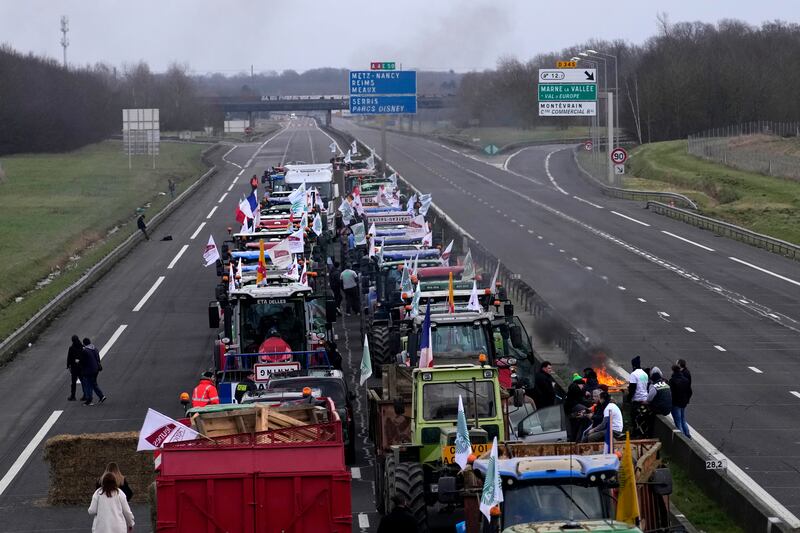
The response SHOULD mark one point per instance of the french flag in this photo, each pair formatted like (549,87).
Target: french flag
(243,211)
(425,348)
(253,201)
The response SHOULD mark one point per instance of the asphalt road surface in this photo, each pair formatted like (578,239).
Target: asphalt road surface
(148,316)
(642,284)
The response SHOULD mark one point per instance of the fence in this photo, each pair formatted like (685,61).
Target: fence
(753,146)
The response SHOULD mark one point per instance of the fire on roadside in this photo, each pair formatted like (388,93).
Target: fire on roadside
(605,378)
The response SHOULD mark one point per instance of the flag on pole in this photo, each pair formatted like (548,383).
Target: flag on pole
(304,274)
(211,254)
(492,493)
(281,255)
(415,300)
(252,200)
(463,446)
(494,278)
(425,347)
(410,204)
(366,363)
(353,148)
(445,257)
(239,270)
(245,229)
(474,304)
(347,158)
(261,271)
(333,147)
(243,211)
(159,429)
(304,221)
(316,226)
(405,279)
(295,242)
(469,267)
(347,212)
(370,161)
(294,270)
(450,296)
(359,207)
(393,179)
(627,498)
(416,265)
(359,234)
(372,230)
(372,250)
(231,278)
(256,218)
(427,240)
(425,200)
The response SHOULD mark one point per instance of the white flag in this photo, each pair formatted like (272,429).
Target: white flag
(231,279)
(463,446)
(417,227)
(244,207)
(354,147)
(211,254)
(294,270)
(316,226)
(366,363)
(245,227)
(239,271)
(410,204)
(474,304)
(426,201)
(494,279)
(359,234)
(370,161)
(445,257)
(492,493)
(295,241)
(304,221)
(357,203)
(373,230)
(304,274)
(372,250)
(298,194)
(393,179)
(281,255)
(333,147)
(347,212)
(159,429)
(427,240)
(469,267)
(347,158)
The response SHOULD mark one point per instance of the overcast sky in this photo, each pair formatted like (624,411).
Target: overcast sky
(229,35)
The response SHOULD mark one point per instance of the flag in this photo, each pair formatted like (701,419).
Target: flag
(450,296)
(245,227)
(425,348)
(316,226)
(393,179)
(333,147)
(359,207)
(304,274)
(354,148)
(281,255)
(304,222)
(253,202)
(427,240)
(359,234)
(239,270)
(395,198)
(372,230)
(372,251)
(318,201)
(492,493)
(298,199)
(627,498)
(211,254)
(370,161)
(405,280)
(463,446)
(445,257)
(381,199)
(469,267)
(415,300)
(295,242)
(608,438)
(231,278)
(347,212)
(256,219)
(380,253)
(410,204)
(243,211)
(294,270)
(159,429)
(426,200)
(261,271)
(365,372)
(494,278)
(347,158)
(417,227)
(474,304)
(416,264)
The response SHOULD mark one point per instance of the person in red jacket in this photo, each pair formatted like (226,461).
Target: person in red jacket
(254,182)
(205,393)
(276,347)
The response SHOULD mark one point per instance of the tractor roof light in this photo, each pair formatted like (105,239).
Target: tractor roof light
(482,359)
(306,392)
(184,397)
(407,307)
(495,511)
(225,278)
(496,303)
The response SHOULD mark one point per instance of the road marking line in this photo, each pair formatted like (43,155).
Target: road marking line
(240,173)
(32,446)
(620,287)
(231,186)
(588,202)
(706,248)
(355,472)
(539,237)
(363,521)
(198,230)
(231,162)
(756,370)
(642,300)
(690,330)
(631,219)
(549,175)
(107,346)
(794,392)
(530,231)
(222,198)
(177,256)
(765,271)
(148,294)
(720,348)
(211,213)
(662,313)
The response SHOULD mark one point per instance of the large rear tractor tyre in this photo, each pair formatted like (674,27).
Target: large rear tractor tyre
(379,348)
(409,482)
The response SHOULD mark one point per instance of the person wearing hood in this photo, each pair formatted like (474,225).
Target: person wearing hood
(681,387)
(659,396)
(90,368)
(74,358)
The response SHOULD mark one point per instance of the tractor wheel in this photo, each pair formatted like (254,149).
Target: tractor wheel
(379,348)
(380,475)
(409,482)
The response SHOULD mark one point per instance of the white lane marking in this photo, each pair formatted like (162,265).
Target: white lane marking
(662,313)
(32,446)
(231,186)
(239,174)
(765,271)
(211,213)
(631,219)
(221,198)
(620,287)
(107,346)
(363,521)
(148,294)
(690,330)
(756,370)
(794,392)
(530,231)
(231,162)
(177,257)
(198,230)
(642,300)
(720,348)
(549,175)
(355,472)
(588,202)
(706,248)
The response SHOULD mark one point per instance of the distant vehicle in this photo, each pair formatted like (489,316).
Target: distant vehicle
(293,116)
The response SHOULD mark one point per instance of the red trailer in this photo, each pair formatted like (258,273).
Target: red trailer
(291,480)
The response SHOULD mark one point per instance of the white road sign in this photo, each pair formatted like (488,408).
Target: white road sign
(619,169)
(562,109)
(567,75)
(265,370)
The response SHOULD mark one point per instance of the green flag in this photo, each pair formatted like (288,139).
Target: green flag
(492,493)
(469,267)
(366,363)
(463,446)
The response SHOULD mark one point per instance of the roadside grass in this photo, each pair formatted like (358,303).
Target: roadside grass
(61,213)
(764,204)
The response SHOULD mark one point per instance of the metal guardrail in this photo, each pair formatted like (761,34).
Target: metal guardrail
(784,248)
(630,194)
(34,325)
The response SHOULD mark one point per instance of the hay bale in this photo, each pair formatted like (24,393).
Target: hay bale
(75,463)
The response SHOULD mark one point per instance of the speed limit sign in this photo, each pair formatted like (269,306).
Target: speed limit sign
(619,155)
(588,146)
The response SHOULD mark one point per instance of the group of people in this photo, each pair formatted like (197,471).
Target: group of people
(109,507)
(83,363)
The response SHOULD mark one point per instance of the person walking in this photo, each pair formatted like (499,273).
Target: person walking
(544,391)
(142,226)
(336,286)
(349,280)
(110,508)
(122,483)
(205,393)
(74,358)
(681,387)
(90,368)
(171,185)
(254,182)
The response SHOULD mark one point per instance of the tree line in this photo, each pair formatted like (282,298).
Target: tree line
(689,77)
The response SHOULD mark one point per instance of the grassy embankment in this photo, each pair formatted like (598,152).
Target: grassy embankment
(58,214)
(765,204)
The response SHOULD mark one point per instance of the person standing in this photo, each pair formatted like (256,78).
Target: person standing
(122,483)
(349,280)
(90,368)
(544,391)
(205,393)
(110,508)
(246,385)
(681,388)
(254,182)
(637,397)
(74,358)
(336,286)
(142,226)
(171,184)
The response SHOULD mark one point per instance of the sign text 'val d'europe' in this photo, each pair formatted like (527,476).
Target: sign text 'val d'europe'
(567,92)
(383,91)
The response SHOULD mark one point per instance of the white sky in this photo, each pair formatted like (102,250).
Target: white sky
(229,35)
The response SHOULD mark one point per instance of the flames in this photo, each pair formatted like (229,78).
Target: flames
(605,378)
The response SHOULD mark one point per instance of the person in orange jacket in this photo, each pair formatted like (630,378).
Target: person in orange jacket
(205,393)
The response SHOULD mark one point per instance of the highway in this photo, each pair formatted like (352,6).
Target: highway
(148,316)
(637,283)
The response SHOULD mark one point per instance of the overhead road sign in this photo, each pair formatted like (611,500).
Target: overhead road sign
(573,92)
(383,105)
(563,109)
(619,155)
(380,82)
(569,75)
(566,64)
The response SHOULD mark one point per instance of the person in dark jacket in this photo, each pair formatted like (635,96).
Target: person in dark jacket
(400,519)
(575,405)
(659,395)
(142,226)
(544,392)
(681,387)
(682,364)
(245,386)
(336,285)
(591,383)
(90,367)
(74,357)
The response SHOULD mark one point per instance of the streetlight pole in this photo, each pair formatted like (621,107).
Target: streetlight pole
(616,92)
(594,122)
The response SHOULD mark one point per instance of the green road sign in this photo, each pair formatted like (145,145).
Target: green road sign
(491,149)
(574,92)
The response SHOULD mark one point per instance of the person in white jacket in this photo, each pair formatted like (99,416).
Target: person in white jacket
(110,508)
